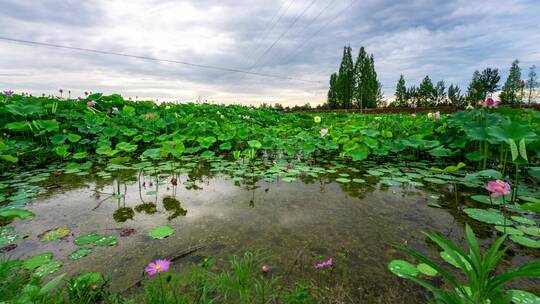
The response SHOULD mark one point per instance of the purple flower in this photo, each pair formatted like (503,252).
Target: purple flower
(324,264)
(8,93)
(157,267)
(265,268)
(149,116)
(91,103)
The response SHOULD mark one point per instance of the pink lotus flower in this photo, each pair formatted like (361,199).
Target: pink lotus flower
(91,103)
(324,264)
(149,116)
(437,115)
(157,267)
(490,103)
(8,93)
(265,268)
(498,188)
(323,132)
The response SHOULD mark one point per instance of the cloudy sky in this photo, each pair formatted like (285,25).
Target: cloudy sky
(300,39)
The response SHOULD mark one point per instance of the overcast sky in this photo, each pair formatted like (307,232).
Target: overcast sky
(446,39)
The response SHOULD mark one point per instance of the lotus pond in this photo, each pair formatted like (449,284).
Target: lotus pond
(108,185)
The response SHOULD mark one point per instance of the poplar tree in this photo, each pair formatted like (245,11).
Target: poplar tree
(426,91)
(532,82)
(360,78)
(332,92)
(401,92)
(345,79)
(512,85)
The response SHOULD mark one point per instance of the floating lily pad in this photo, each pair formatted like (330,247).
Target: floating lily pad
(484,199)
(37,260)
(20,213)
(435,180)
(524,297)
(7,235)
(359,180)
(46,269)
(426,269)
(343,180)
(55,234)
(523,220)
(530,230)
(509,230)
(288,179)
(490,216)
(402,268)
(525,241)
(161,232)
(80,253)
(106,241)
(87,239)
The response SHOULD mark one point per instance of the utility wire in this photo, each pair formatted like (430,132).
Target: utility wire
(309,24)
(204,66)
(282,34)
(273,25)
(334,18)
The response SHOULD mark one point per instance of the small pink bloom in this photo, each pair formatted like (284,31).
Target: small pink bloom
(149,116)
(437,115)
(498,188)
(265,268)
(157,267)
(490,103)
(327,263)
(91,103)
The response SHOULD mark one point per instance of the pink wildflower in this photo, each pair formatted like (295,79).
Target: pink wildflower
(265,268)
(327,263)
(149,116)
(157,267)
(498,188)
(91,103)
(437,115)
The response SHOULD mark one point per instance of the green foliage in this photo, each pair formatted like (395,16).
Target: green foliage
(482,284)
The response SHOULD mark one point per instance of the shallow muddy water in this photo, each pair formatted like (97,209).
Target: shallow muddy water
(295,224)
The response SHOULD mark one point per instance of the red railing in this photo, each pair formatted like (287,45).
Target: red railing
(443,109)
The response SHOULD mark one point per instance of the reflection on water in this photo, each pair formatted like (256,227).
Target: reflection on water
(297,225)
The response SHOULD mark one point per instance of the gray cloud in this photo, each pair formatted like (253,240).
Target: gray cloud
(444,39)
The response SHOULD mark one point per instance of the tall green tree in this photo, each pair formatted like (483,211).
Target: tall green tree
(372,86)
(454,95)
(440,91)
(426,91)
(412,95)
(475,91)
(360,78)
(345,80)
(401,92)
(512,85)
(532,83)
(332,92)
(490,81)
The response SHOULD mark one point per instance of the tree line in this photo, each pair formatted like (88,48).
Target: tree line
(355,85)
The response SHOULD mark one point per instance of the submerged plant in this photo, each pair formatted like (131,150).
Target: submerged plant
(481,284)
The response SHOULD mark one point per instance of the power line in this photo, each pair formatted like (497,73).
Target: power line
(282,34)
(298,48)
(204,66)
(310,23)
(273,25)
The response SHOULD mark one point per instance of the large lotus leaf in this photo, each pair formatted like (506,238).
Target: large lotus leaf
(490,216)
(512,129)
(360,152)
(440,152)
(161,232)
(14,212)
(207,141)
(402,268)
(37,260)
(485,199)
(24,108)
(523,297)
(525,241)
(126,147)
